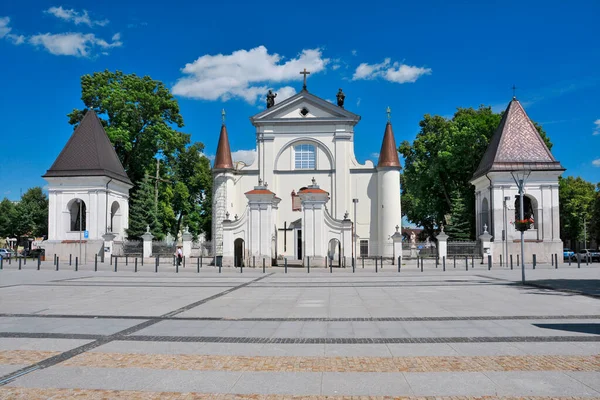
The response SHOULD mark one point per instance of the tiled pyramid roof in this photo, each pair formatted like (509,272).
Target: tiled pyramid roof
(516,145)
(88,152)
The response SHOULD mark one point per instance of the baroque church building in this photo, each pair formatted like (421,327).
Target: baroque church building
(305,196)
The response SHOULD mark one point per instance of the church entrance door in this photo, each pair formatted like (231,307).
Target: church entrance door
(334,252)
(238,252)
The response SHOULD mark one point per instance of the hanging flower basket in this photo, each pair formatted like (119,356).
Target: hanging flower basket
(523,225)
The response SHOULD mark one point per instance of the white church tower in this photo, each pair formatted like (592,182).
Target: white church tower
(88,194)
(222,186)
(517,146)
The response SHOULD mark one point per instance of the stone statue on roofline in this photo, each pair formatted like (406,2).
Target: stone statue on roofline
(340,98)
(271,98)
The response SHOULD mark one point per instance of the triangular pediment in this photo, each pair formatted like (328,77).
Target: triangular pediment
(304,106)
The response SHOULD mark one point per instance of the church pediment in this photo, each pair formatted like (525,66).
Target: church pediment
(304,107)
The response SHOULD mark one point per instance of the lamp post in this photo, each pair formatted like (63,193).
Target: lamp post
(80,226)
(520,177)
(354,234)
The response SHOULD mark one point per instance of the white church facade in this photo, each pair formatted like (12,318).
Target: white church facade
(516,148)
(305,197)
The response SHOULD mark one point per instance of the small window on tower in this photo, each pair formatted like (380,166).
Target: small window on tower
(364,248)
(304,156)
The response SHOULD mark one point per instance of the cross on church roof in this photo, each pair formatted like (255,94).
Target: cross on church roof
(389,114)
(305,72)
(514,88)
(223,116)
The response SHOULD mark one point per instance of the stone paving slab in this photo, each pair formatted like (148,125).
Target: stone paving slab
(66,325)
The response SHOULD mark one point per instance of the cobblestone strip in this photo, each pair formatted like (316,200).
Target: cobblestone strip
(18,393)
(337,364)
(325,319)
(116,336)
(25,356)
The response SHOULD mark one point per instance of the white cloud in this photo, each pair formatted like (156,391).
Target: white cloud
(335,67)
(358,102)
(243,74)
(596,162)
(392,72)
(71,44)
(375,156)
(284,93)
(354,52)
(597,128)
(246,156)
(77,18)
(5,32)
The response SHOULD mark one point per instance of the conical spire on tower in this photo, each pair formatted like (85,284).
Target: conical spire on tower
(388,156)
(223,159)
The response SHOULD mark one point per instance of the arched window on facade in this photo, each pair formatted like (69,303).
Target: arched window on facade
(78,218)
(485,212)
(304,156)
(529,206)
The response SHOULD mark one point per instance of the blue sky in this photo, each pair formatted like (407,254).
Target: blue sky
(417,57)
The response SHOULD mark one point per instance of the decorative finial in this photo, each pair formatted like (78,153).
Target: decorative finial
(485,228)
(442,230)
(314,181)
(186,229)
(260,182)
(305,72)
(223,116)
(227,215)
(266,185)
(346,215)
(389,114)
(514,88)
(236,217)
(147,228)
(397,227)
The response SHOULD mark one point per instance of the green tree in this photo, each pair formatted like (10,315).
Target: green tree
(139,115)
(143,211)
(442,160)
(459,227)
(7,218)
(595,220)
(32,214)
(576,204)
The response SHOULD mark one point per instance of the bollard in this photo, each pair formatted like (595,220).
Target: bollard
(363,262)
(39,261)
(57,261)
(263,265)
(552,259)
(375,264)
(19,263)
(111,259)
(156,264)
(436,263)
(285,264)
(253,261)
(69,259)
(556,260)
(2,263)
(157,260)
(174,262)
(24,260)
(183,261)
(353,265)
(220,265)
(534,261)
(489,262)
(500,259)
(308,263)
(472,262)
(454,261)
(569,261)
(331,266)
(578,261)
(135,265)
(466,263)
(126,260)
(116,261)
(421,262)
(242,266)
(9,260)
(54,260)
(177,267)
(399,262)
(437,260)
(587,258)
(518,265)
(102,256)
(381,261)
(200,261)
(511,262)
(95,262)
(443,263)
(142,259)
(76,263)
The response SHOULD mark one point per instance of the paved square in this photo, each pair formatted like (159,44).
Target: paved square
(295,335)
